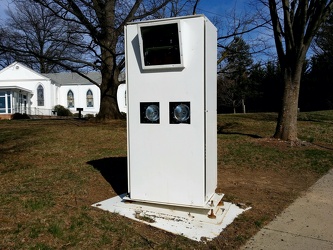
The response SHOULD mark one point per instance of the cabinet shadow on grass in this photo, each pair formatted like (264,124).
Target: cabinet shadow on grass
(114,171)
(221,130)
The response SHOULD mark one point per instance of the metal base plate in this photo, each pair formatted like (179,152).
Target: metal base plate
(193,223)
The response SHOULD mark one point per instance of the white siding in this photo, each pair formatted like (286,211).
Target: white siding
(80,97)
(19,77)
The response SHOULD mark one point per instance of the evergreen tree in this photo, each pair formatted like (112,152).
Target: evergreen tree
(234,84)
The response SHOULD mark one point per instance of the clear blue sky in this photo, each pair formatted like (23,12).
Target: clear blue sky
(3,6)
(207,7)
(218,6)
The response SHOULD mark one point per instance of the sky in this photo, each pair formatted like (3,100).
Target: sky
(207,7)
(257,39)
(3,6)
(218,7)
(210,8)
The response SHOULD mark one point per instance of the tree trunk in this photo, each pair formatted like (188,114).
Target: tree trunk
(243,106)
(234,106)
(286,128)
(109,107)
(110,73)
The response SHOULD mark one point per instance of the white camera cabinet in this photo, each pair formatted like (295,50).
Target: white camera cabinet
(171,117)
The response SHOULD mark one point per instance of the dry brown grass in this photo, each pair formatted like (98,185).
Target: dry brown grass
(51,171)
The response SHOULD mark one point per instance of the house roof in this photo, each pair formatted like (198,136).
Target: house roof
(18,71)
(8,74)
(16,88)
(74,78)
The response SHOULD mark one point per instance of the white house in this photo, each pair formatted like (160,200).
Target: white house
(22,90)
(75,91)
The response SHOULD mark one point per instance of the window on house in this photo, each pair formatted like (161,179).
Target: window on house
(40,96)
(70,99)
(90,99)
(9,102)
(2,102)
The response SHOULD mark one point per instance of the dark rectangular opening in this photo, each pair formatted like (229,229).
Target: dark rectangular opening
(161,44)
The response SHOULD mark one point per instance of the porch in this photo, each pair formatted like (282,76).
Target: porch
(14,100)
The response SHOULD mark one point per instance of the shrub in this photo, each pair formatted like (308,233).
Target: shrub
(62,111)
(18,116)
(124,115)
(89,116)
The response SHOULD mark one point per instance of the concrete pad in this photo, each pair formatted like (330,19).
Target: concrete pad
(305,224)
(193,223)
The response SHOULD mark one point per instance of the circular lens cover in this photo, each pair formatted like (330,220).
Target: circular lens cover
(181,113)
(152,113)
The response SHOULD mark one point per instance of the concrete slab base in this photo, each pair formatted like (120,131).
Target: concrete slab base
(193,223)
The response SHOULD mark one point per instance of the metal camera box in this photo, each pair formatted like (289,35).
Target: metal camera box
(171,116)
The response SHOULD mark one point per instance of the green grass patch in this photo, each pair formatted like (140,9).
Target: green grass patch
(317,116)
(56,229)
(38,203)
(41,246)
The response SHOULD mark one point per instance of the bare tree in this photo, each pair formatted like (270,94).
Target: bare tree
(5,57)
(100,25)
(233,25)
(33,33)
(294,24)
(323,42)
(227,93)
(177,8)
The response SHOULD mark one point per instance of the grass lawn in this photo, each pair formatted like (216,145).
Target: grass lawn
(51,171)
